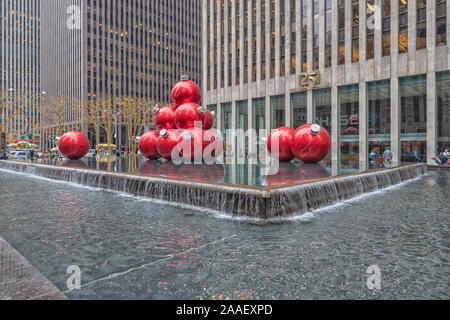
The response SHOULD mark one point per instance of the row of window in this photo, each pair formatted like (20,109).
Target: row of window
(289,41)
(412,122)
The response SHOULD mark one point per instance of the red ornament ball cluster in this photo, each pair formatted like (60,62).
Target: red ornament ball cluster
(310,143)
(185,125)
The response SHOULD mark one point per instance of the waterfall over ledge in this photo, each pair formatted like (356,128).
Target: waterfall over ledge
(236,200)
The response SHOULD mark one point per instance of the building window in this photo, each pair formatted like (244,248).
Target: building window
(272,38)
(213,108)
(259,119)
(227,124)
(341,32)
(441,22)
(403,27)
(277,112)
(355,31)
(263,40)
(349,128)
(328,34)
(386,16)
(413,128)
(242,124)
(378,121)
(316,36)
(322,114)
(304,35)
(370,29)
(443,111)
(293,38)
(298,109)
(421,24)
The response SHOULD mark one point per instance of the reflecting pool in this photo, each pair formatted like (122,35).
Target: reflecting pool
(131,248)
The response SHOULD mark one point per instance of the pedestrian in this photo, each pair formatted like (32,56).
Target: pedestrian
(3,155)
(416,155)
(387,155)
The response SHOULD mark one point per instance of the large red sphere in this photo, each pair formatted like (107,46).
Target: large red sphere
(209,120)
(193,141)
(147,145)
(188,114)
(73,145)
(279,144)
(311,143)
(167,141)
(186,91)
(164,117)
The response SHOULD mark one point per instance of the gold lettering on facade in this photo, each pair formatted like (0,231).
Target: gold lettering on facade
(309,80)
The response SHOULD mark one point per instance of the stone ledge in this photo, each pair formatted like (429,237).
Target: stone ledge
(19,280)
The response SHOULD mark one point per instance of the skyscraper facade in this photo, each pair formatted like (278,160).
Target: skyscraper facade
(375,73)
(94,48)
(19,63)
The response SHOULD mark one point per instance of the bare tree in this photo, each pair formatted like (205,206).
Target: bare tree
(10,108)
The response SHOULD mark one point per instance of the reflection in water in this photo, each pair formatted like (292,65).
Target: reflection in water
(244,174)
(290,173)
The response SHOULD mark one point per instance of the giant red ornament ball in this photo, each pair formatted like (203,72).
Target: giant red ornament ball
(193,141)
(147,145)
(186,91)
(73,145)
(311,143)
(188,114)
(164,117)
(279,144)
(208,120)
(167,141)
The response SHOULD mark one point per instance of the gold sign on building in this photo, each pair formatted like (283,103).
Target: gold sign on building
(309,80)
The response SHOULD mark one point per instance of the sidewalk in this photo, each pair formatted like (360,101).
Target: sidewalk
(19,280)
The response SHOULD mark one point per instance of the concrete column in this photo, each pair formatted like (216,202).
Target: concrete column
(334,92)
(241,44)
(362,39)
(277,41)
(211,48)
(288,41)
(395,121)
(309,110)
(250,44)
(363,145)
(348,35)
(225,45)
(287,118)
(233,45)
(378,38)
(234,127)
(448,32)
(431,81)
(412,36)
(205,44)
(322,17)
(219,48)
(258,46)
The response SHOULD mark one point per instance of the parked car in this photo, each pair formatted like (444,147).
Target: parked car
(18,155)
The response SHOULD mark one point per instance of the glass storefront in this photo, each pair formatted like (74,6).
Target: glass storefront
(378,121)
(443,111)
(277,111)
(227,125)
(213,109)
(242,123)
(298,109)
(322,115)
(259,122)
(349,129)
(413,120)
